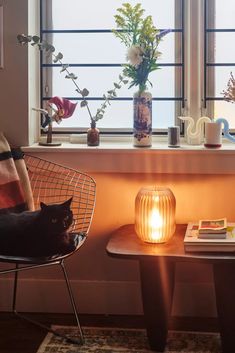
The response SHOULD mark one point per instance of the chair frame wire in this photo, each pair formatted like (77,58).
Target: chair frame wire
(83,191)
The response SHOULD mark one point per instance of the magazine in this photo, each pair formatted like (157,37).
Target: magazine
(193,243)
(212,226)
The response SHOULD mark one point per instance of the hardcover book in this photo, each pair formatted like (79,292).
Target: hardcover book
(193,243)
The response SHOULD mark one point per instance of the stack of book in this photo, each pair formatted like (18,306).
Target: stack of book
(210,236)
(212,229)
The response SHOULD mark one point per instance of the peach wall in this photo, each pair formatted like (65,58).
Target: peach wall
(108,285)
(197,196)
(14,75)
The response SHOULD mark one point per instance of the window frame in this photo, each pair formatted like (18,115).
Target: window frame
(179,98)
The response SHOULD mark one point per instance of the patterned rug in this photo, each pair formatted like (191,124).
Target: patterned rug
(115,340)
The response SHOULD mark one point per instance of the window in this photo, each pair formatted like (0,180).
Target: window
(197,58)
(95,55)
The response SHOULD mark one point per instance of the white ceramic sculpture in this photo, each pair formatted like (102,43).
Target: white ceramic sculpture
(195,131)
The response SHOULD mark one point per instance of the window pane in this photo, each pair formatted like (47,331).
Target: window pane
(71,14)
(98,80)
(223,109)
(225,13)
(92,48)
(120,115)
(221,51)
(221,77)
(224,50)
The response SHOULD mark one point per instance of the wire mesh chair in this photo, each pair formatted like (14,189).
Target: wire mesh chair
(53,183)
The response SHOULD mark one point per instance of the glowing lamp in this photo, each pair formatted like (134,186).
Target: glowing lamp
(155,214)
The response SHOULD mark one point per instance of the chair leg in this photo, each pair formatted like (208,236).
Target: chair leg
(15,290)
(72,301)
(39,324)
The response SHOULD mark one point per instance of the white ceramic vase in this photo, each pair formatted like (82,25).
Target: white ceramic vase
(213,135)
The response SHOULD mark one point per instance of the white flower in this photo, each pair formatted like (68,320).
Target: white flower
(157,54)
(135,55)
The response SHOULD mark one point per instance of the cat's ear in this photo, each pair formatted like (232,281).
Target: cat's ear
(68,202)
(43,205)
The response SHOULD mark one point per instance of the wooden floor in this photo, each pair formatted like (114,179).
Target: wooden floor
(18,336)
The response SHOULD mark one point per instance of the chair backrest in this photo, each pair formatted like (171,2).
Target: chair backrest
(54,183)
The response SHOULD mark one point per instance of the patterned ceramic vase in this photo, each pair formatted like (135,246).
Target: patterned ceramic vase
(142,129)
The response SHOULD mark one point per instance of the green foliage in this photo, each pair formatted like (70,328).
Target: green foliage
(57,58)
(140,36)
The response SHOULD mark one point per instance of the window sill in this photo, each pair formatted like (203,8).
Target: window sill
(120,156)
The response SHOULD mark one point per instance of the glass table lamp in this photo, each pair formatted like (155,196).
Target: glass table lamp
(155,214)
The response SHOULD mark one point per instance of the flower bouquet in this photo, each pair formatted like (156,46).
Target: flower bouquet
(141,38)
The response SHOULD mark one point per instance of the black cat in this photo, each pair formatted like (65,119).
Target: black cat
(39,233)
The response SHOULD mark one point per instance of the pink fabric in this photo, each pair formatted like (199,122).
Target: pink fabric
(8,172)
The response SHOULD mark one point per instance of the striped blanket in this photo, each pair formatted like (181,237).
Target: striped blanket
(15,190)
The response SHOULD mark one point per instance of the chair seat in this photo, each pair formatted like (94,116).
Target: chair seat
(80,238)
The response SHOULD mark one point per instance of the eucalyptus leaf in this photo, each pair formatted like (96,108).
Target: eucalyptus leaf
(64,67)
(116,85)
(71,76)
(83,104)
(58,57)
(85,92)
(23,39)
(50,48)
(36,39)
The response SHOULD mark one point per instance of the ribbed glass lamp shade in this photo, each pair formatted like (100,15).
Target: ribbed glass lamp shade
(155,214)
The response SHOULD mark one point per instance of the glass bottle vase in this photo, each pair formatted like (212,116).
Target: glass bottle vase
(93,135)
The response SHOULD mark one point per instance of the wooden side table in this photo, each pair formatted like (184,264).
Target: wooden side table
(157,269)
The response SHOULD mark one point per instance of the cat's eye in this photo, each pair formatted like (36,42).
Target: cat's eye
(66,218)
(54,220)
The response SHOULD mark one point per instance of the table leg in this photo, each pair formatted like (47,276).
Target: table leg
(224,279)
(157,284)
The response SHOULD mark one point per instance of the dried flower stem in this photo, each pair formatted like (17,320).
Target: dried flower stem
(229,93)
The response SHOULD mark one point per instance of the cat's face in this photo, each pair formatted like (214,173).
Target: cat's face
(57,218)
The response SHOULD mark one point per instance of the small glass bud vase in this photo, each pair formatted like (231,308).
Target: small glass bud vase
(93,135)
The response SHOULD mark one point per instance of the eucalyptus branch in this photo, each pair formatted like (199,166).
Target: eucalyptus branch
(72,78)
(57,58)
(111,95)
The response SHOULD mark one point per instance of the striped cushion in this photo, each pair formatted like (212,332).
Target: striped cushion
(11,193)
